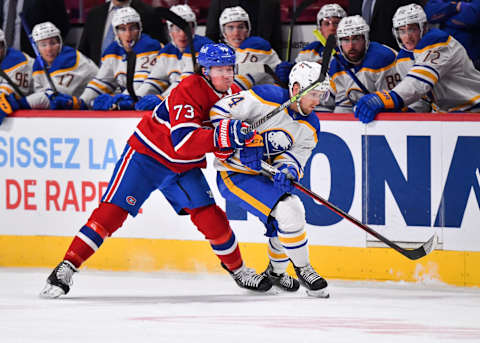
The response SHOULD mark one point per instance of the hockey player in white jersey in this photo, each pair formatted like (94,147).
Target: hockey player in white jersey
(18,68)
(173,62)
(441,66)
(371,62)
(251,52)
(288,140)
(328,18)
(108,90)
(69,70)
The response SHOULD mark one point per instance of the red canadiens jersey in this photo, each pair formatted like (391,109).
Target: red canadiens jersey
(178,133)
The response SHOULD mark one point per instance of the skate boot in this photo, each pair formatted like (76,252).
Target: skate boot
(59,281)
(249,279)
(282,281)
(310,279)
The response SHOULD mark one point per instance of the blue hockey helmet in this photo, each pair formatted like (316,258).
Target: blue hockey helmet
(214,55)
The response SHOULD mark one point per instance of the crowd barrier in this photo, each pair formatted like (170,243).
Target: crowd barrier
(405,175)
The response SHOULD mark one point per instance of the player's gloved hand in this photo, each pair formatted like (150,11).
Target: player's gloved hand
(251,155)
(283,71)
(62,101)
(283,179)
(370,105)
(103,102)
(228,134)
(8,105)
(148,102)
(123,102)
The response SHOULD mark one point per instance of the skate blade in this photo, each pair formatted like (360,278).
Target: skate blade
(51,292)
(321,293)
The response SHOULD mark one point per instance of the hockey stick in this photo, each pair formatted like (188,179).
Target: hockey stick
(354,77)
(270,72)
(11,83)
(412,254)
(295,16)
(327,54)
(131,61)
(37,53)
(182,24)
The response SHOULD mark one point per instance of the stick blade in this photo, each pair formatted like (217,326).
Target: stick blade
(425,249)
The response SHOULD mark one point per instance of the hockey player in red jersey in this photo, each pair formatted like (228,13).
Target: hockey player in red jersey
(166,152)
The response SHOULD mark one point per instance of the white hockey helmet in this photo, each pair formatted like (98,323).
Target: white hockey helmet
(330,10)
(352,26)
(231,14)
(186,13)
(46,30)
(304,74)
(123,16)
(409,14)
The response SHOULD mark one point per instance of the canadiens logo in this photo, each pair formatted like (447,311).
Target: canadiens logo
(277,141)
(131,200)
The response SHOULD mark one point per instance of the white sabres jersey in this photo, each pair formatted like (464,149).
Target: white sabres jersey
(443,67)
(288,136)
(70,72)
(112,76)
(377,71)
(404,63)
(251,56)
(171,67)
(19,67)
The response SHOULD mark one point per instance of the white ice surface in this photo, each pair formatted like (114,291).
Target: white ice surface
(174,307)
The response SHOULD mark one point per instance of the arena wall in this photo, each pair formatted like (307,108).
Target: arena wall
(405,175)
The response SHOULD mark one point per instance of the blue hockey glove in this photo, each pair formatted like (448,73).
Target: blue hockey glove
(228,134)
(251,155)
(283,179)
(370,105)
(123,102)
(8,105)
(103,102)
(148,102)
(62,101)
(283,71)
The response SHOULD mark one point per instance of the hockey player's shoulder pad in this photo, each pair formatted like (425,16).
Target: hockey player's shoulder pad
(146,44)
(379,56)
(12,58)
(113,49)
(271,93)
(257,43)
(317,46)
(434,36)
(335,66)
(405,54)
(198,42)
(313,121)
(67,59)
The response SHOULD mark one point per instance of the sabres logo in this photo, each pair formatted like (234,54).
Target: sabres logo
(131,200)
(277,141)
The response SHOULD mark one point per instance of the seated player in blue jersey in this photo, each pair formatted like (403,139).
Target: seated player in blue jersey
(18,81)
(173,62)
(371,62)
(66,68)
(285,141)
(441,70)
(166,152)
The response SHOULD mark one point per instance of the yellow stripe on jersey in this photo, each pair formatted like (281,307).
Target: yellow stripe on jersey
(264,52)
(246,82)
(337,74)
(147,53)
(313,51)
(405,59)
(77,61)
(35,73)
(111,56)
(311,128)
(7,89)
(15,66)
(244,195)
(101,87)
(270,103)
(466,105)
(291,240)
(378,70)
(419,51)
(425,73)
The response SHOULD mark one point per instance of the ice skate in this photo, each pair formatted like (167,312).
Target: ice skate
(249,279)
(59,281)
(310,279)
(282,281)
